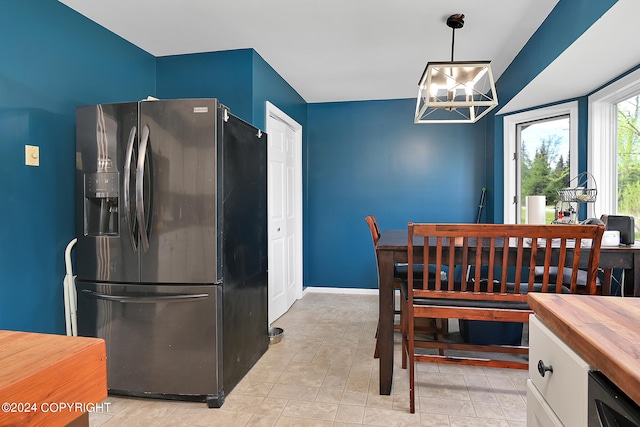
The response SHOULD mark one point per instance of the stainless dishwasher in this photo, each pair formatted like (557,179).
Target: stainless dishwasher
(608,405)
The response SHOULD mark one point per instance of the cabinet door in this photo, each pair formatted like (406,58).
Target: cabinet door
(564,389)
(539,414)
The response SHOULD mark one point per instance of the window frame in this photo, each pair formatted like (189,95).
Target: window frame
(510,125)
(603,141)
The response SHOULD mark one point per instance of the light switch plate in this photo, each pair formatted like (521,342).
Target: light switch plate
(32,155)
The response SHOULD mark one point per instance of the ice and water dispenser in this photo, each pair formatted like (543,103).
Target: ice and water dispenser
(101,195)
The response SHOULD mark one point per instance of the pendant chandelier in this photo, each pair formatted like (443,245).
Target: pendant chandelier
(455,91)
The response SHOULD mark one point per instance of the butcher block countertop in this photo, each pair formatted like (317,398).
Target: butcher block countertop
(604,331)
(41,375)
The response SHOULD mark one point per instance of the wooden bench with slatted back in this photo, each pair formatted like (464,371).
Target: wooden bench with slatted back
(490,270)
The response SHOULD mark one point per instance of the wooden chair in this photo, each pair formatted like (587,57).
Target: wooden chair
(375,236)
(500,276)
(400,273)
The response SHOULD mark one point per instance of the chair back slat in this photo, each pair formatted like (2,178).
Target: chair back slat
(410,275)
(492,264)
(465,260)
(505,268)
(519,258)
(532,264)
(374,228)
(547,265)
(561,262)
(478,265)
(438,263)
(575,268)
(448,254)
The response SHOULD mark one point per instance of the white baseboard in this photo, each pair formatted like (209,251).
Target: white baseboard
(351,291)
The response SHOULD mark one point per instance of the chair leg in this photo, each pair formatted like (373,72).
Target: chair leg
(445,327)
(411,351)
(376,352)
(440,333)
(404,334)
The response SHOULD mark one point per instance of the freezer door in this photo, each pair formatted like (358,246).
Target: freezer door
(179,224)
(106,140)
(161,340)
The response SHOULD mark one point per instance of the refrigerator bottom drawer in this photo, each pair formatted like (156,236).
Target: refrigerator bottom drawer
(162,341)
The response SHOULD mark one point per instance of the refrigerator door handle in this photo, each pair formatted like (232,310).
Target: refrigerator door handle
(142,153)
(127,196)
(145,299)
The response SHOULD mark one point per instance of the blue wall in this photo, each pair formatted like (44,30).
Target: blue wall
(53,59)
(269,86)
(568,21)
(224,75)
(370,158)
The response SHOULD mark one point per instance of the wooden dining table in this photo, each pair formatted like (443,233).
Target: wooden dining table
(392,249)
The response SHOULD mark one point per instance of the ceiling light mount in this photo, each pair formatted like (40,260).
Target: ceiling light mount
(455,91)
(455,21)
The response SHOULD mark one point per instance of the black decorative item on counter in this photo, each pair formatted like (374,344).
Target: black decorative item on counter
(624,224)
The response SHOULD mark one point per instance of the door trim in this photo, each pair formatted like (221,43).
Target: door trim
(275,113)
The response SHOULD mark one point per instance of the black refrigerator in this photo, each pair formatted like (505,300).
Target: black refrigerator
(171,258)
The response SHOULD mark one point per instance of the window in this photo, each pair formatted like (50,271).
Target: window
(628,163)
(613,147)
(540,157)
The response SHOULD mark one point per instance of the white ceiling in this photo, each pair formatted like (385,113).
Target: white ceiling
(606,50)
(330,50)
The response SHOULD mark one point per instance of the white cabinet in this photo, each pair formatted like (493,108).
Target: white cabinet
(539,413)
(559,397)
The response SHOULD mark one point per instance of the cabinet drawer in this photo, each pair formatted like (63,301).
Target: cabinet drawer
(539,414)
(564,389)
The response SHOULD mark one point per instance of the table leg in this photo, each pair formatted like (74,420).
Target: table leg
(386,313)
(606,281)
(631,283)
(635,273)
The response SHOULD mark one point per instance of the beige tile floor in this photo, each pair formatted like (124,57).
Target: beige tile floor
(323,373)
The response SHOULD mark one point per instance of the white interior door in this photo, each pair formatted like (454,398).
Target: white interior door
(284,157)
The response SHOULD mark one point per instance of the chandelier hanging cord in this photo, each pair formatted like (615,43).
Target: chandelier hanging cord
(453,41)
